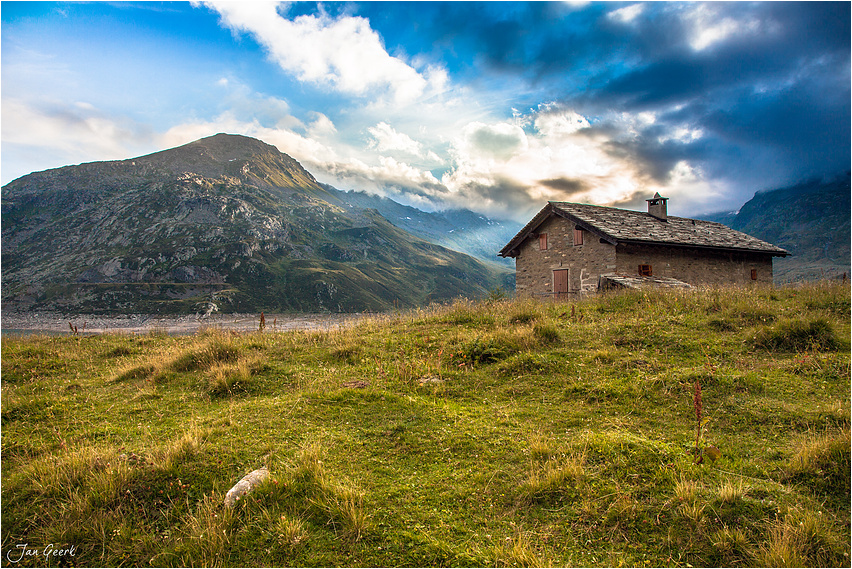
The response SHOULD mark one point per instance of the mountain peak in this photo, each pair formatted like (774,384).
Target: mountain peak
(250,160)
(208,156)
(224,147)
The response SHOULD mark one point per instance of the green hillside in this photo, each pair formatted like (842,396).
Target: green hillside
(811,220)
(664,429)
(225,223)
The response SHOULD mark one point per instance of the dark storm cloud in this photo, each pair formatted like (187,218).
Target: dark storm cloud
(806,124)
(530,38)
(637,201)
(780,49)
(500,196)
(569,186)
(772,98)
(775,101)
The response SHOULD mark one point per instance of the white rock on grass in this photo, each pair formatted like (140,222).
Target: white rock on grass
(248,483)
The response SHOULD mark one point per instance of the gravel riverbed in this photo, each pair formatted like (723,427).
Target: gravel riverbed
(54,323)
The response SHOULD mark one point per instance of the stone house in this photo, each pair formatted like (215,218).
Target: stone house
(569,248)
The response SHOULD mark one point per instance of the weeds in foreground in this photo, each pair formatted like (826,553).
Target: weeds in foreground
(800,539)
(560,440)
(555,478)
(516,551)
(206,535)
(797,335)
(732,545)
(341,505)
(821,463)
(698,407)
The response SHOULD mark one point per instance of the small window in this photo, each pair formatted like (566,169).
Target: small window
(542,242)
(645,271)
(578,236)
(754,274)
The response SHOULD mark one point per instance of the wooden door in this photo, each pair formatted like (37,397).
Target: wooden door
(560,283)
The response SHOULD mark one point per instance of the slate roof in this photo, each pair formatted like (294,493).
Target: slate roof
(621,226)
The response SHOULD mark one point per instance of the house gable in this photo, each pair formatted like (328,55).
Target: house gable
(564,263)
(533,228)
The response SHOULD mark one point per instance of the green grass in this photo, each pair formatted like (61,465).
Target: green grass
(501,433)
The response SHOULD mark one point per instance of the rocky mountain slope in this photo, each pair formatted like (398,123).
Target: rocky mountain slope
(224,223)
(811,220)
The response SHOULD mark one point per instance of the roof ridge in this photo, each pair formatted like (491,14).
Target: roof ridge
(618,225)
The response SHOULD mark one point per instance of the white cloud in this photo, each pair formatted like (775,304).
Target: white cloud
(683,133)
(627,14)
(385,139)
(505,168)
(709,27)
(558,124)
(305,149)
(48,134)
(76,127)
(344,53)
(562,157)
(326,157)
(321,128)
(491,142)
(51,135)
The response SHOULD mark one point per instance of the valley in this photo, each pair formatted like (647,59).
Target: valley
(229,224)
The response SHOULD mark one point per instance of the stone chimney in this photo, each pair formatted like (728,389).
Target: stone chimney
(657,206)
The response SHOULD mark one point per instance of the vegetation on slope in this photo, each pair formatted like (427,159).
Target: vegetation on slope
(810,220)
(508,433)
(225,223)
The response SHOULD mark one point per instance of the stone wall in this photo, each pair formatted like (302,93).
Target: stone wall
(695,266)
(585,263)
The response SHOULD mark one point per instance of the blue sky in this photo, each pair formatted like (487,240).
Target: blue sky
(494,106)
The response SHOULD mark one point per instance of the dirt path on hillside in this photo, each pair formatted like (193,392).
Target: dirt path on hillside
(51,323)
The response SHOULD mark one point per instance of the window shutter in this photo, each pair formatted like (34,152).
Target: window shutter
(645,271)
(578,236)
(542,242)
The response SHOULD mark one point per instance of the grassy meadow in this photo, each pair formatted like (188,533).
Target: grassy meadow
(700,428)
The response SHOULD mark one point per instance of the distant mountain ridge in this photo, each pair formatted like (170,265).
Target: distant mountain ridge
(811,220)
(226,222)
(458,229)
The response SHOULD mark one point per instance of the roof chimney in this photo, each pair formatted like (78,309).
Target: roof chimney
(657,206)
